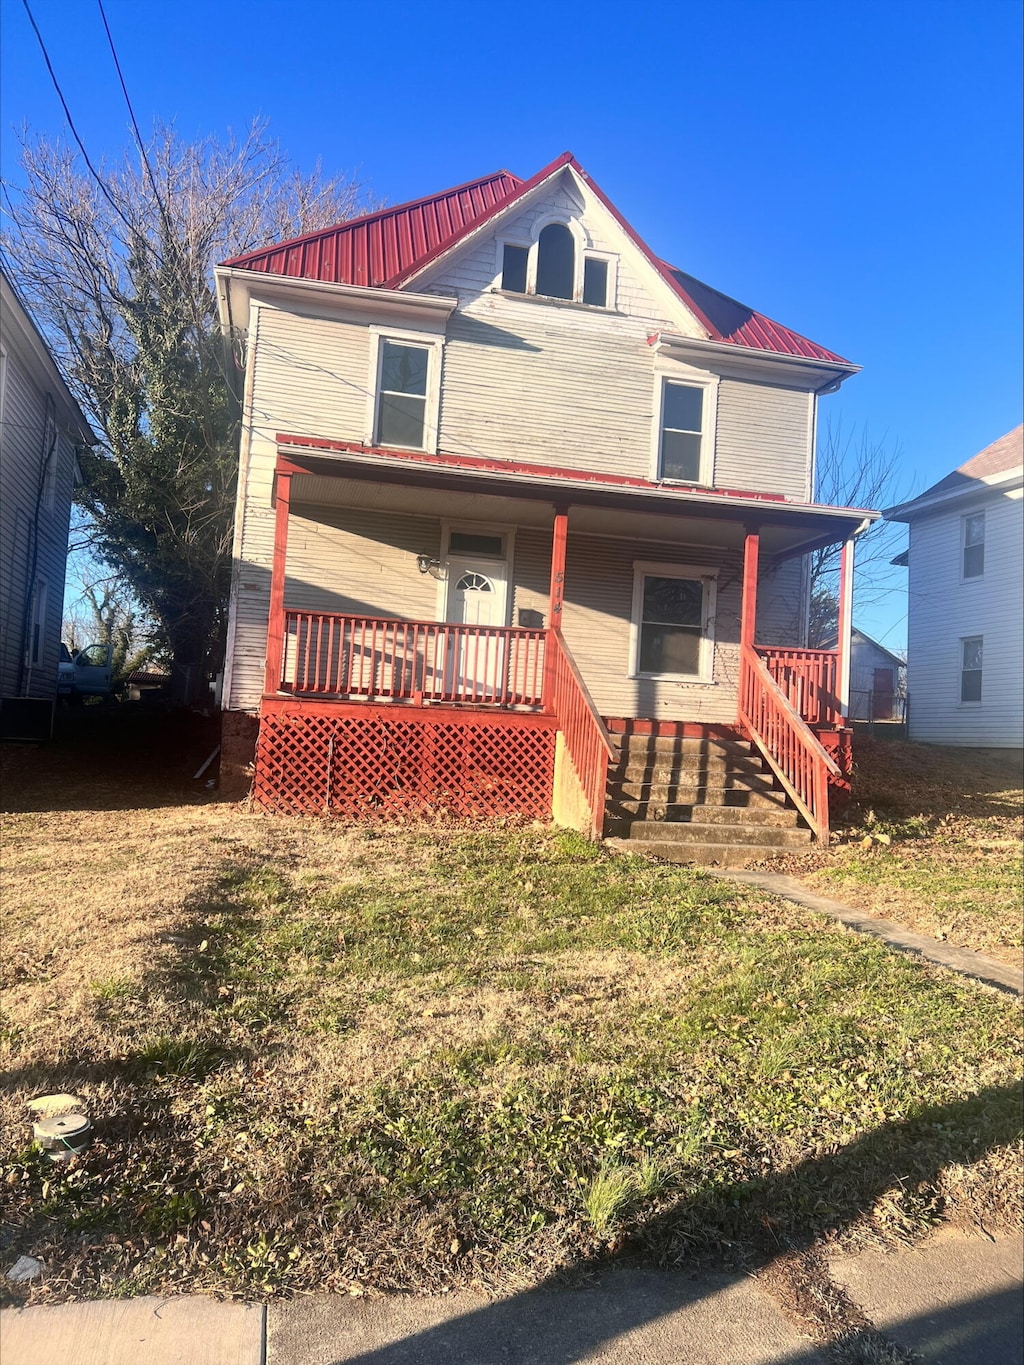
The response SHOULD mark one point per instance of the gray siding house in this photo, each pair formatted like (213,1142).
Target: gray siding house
(41,427)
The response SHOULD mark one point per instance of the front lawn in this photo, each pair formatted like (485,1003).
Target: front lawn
(358,1059)
(933,840)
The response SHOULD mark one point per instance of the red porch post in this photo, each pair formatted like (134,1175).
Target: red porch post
(275,619)
(844,626)
(748,607)
(559,534)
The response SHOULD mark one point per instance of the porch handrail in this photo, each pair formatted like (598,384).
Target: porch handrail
(586,738)
(786,742)
(809,678)
(383,658)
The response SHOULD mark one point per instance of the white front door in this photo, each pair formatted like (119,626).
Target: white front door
(476,595)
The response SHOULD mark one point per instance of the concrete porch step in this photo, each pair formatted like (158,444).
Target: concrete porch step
(701,772)
(651,744)
(704,831)
(781,817)
(709,854)
(741,794)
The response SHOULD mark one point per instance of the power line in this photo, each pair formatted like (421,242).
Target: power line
(71,124)
(131,113)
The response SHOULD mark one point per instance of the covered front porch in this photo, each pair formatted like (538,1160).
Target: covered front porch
(530,705)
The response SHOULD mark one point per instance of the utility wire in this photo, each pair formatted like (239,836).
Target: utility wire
(138,136)
(71,124)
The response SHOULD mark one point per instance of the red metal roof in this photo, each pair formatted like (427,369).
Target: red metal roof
(378,248)
(739,325)
(386,249)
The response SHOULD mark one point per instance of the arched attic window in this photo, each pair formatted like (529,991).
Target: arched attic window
(556,262)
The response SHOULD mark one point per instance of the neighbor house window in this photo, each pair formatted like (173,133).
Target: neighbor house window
(682,432)
(973,545)
(402,394)
(672,615)
(970,668)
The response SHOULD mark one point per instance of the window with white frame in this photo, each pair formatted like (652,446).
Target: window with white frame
(971,648)
(673,615)
(683,435)
(972,539)
(557,266)
(405,394)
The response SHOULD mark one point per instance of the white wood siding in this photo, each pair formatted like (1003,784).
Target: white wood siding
(524,380)
(943,609)
(21,456)
(762,442)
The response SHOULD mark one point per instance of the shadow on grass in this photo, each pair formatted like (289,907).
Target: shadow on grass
(781,1214)
(113,757)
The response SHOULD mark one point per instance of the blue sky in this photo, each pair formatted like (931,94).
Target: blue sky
(853,170)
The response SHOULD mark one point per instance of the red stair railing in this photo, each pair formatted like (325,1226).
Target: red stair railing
(784,739)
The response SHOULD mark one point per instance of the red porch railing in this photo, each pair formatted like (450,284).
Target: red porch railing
(586,738)
(808,678)
(784,739)
(326,654)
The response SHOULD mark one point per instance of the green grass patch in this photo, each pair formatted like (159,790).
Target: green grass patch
(428,1057)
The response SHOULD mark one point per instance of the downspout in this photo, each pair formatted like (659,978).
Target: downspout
(25,665)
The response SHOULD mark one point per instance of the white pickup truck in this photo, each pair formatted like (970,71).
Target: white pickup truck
(84,673)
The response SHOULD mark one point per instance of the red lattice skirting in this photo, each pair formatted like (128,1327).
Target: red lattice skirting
(395,762)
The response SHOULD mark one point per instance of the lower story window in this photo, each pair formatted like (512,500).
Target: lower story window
(672,615)
(970,668)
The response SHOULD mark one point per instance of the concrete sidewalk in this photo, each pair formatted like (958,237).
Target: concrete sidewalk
(953,1300)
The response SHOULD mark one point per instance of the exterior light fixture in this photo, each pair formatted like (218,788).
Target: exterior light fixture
(426,564)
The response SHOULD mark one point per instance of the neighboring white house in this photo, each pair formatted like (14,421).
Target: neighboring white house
(41,427)
(965,633)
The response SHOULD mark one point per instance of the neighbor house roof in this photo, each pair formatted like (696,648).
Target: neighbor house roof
(384,250)
(995,465)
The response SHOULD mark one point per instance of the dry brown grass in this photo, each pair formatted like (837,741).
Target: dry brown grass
(950,860)
(362,1059)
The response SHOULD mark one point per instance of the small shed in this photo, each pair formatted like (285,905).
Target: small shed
(877,680)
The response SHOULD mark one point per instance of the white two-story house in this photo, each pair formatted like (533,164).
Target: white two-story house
(965,602)
(514,491)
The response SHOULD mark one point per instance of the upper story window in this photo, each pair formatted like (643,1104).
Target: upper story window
(556,262)
(973,545)
(683,432)
(402,397)
(514,263)
(558,266)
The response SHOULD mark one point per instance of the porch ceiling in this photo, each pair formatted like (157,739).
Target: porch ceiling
(667,517)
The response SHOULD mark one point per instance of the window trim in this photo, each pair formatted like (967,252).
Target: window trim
(961,701)
(583,253)
(696,379)
(709,579)
(974,577)
(434,346)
